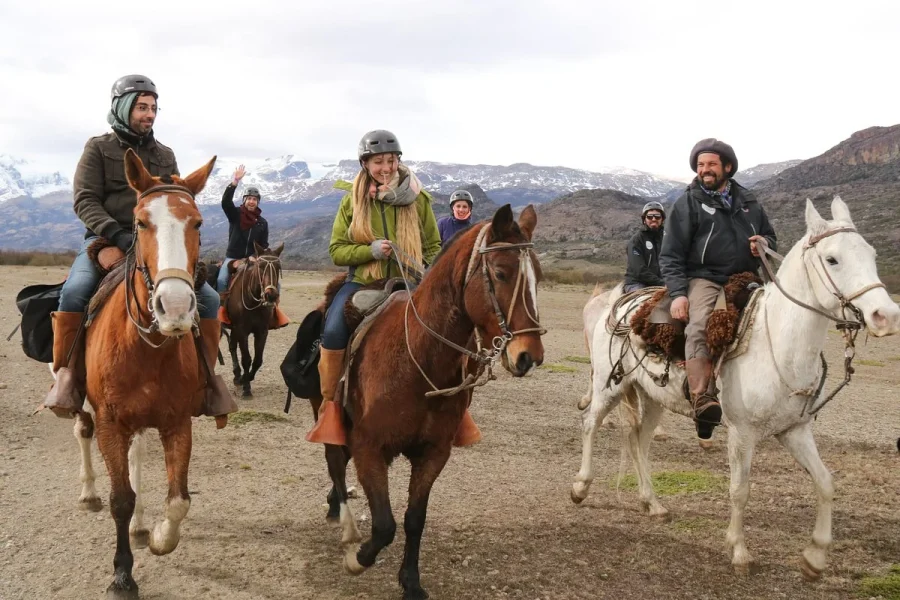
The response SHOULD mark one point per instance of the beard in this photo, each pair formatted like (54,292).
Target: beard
(714,183)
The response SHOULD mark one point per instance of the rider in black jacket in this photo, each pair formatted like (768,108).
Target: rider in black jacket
(716,229)
(643,249)
(245,226)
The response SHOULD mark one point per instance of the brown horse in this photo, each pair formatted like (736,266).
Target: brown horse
(250,306)
(143,368)
(484,282)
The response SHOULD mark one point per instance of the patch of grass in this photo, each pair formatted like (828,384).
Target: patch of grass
(695,524)
(870,363)
(558,368)
(584,360)
(894,358)
(245,467)
(244,417)
(886,586)
(672,483)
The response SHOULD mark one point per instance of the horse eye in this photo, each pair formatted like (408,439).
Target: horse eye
(197,226)
(501,276)
(141,224)
(831,260)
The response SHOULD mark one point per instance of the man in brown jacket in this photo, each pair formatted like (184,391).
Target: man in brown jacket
(105,204)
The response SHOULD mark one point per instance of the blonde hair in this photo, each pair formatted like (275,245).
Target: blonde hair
(409,230)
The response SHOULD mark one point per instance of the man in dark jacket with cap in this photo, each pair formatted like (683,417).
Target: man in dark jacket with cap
(714,230)
(643,249)
(105,203)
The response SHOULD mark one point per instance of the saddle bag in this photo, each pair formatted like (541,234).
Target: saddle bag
(36,302)
(300,367)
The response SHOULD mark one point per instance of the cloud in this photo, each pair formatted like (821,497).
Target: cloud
(568,82)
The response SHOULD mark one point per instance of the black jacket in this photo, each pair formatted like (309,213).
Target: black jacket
(643,257)
(240,241)
(706,240)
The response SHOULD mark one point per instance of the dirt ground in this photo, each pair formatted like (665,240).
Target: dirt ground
(500,522)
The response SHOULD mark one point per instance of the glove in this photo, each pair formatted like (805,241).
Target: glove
(377,251)
(123,240)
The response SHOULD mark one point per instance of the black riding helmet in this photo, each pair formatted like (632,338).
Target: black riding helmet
(132,83)
(462,195)
(652,205)
(252,191)
(378,141)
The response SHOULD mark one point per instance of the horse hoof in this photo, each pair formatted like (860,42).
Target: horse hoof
(809,572)
(236,381)
(333,521)
(123,588)
(706,444)
(91,504)
(140,538)
(351,564)
(246,394)
(741,569)
(579,492)
(415,594)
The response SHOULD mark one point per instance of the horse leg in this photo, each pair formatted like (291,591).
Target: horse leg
(140,536)
(802,446)
(602,403)
(426,466)
(84,433)
(177,448)
(113,446)
(235,366)
(339,514)
(259,348)
(372,470)
(644,416)
(740,456)
(244,343)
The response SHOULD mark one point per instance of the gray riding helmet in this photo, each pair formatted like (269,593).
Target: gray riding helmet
(378,141)
(462,195)
(652,205)
(252,191)
(725,152)
(132,83)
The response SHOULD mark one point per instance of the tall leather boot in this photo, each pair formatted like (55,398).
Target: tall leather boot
(467,433)
(329,427)
(218,401)
(707,410)
(66,397)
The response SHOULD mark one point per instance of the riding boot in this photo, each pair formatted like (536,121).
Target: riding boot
(467,433)
(218,401)
(222,315)
(329,427)
(279,319)
(66,397)
(707,410)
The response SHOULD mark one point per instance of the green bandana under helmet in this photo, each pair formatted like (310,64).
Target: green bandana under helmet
(119,115)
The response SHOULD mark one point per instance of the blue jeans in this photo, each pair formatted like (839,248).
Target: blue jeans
(633,287)
(222,279)
(337,335)
(84,277)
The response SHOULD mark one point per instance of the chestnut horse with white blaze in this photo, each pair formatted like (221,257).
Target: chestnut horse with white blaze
(144,368)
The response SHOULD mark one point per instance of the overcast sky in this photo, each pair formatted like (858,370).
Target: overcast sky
(586,84)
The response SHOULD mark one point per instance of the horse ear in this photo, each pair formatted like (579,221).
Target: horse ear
(815,224)
(257,249)
(501,222)
(840,211)
(528,221)
(278,249)
(196,181)
(137,175)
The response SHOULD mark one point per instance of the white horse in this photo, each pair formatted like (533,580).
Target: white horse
(762,390)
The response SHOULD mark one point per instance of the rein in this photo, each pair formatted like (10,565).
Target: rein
(849,328)
(484,357)
(270,266)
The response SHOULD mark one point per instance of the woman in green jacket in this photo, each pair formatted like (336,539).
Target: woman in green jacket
(385,204)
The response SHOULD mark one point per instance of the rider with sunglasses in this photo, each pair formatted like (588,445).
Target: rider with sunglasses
(643,249)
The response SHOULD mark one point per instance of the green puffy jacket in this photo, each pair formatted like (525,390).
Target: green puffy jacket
(347,253)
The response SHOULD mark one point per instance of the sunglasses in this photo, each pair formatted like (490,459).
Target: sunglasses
(654,217)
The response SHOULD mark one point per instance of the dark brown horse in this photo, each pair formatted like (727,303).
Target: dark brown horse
(484,282)
(143,365)
(251,307)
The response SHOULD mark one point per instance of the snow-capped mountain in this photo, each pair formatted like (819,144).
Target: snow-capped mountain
(19,177)
(286,179)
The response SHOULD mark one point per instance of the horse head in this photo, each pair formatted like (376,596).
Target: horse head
(842,271)
(502,302)
(268,266)
(167,243)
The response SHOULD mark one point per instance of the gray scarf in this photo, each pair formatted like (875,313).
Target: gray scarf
(402,190)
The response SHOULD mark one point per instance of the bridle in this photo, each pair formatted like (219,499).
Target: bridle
(484,357)
(270,266)
(132,264)
(849,328)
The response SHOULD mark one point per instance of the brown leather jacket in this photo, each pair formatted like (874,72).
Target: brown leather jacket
(103,200)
